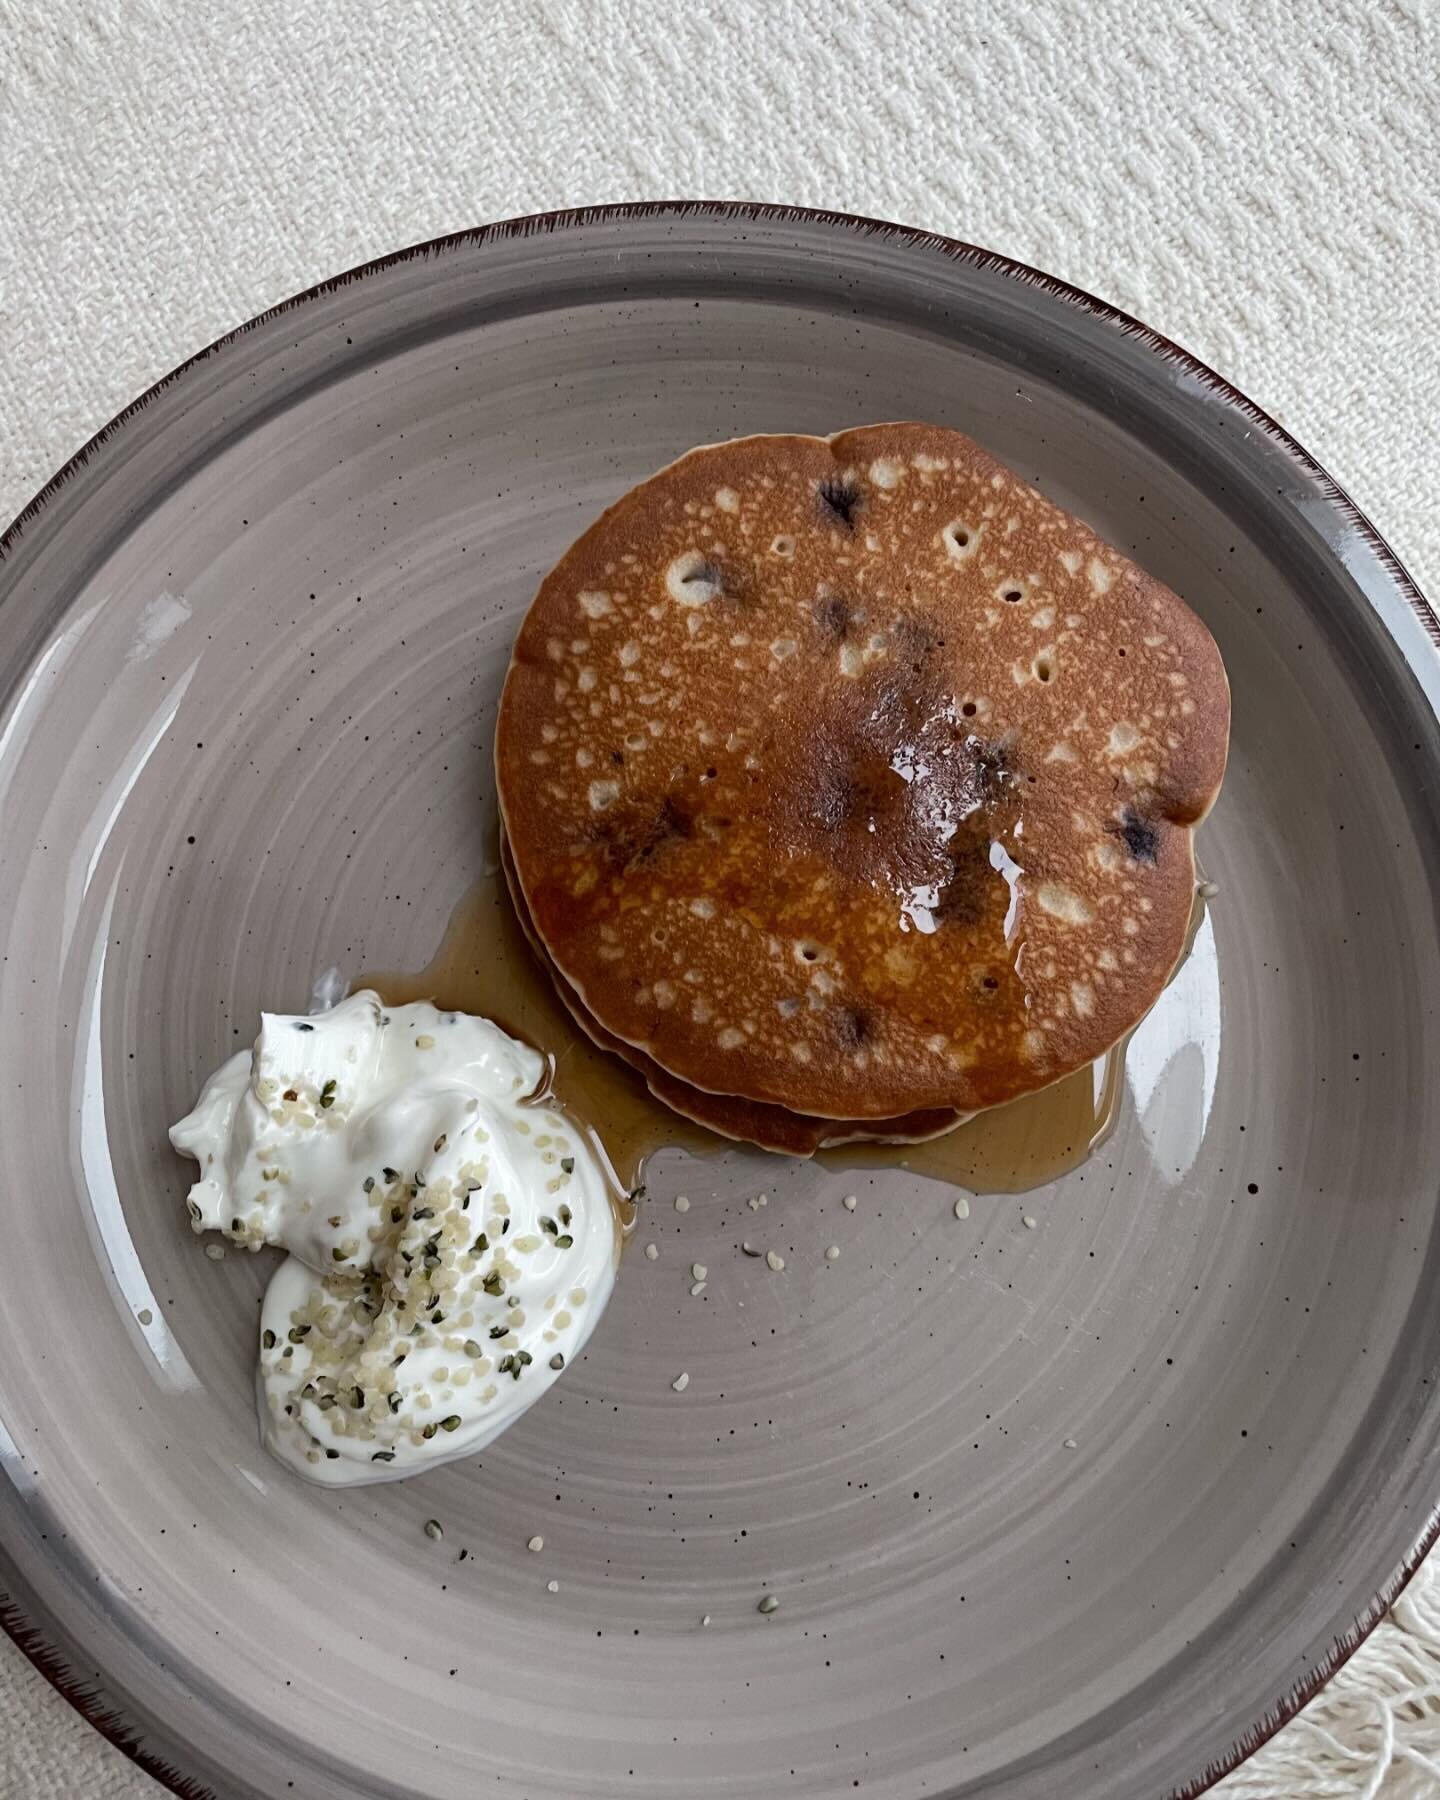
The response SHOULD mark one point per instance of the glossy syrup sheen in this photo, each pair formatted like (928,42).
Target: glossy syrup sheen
(484,965)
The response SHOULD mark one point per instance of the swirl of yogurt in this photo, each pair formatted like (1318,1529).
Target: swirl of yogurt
(452,1239)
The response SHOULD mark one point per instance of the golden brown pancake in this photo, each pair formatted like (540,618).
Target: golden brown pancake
(854,777)
(749,1121)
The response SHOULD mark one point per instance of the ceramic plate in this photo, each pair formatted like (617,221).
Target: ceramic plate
(1079,1496)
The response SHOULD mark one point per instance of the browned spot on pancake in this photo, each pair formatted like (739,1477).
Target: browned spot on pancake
(968,887)
(908,779)
(881,788)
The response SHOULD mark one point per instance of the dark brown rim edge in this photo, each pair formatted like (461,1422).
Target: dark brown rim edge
(26,1636)
(1303,1692)
(107,1720)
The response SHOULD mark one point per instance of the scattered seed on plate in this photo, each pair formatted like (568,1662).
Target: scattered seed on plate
(433,1529)
(748,1249)
(697,1287)
(768,1605)
(1070,1444)
(850,1202)
(552,1586)
(536,1543)
(680,1383)
(682,1203)
(962,1208)
(832,1253)
(704,1618)
(1030,1223)
(216,1252)
(775,1260)
(698,1271)
(1208,889)
(652,1251)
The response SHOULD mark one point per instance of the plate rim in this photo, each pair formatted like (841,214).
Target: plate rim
(29,1634)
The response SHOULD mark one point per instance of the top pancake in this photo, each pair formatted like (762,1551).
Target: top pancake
(855,777)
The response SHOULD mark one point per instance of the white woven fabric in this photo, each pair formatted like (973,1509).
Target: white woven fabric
(1257,179)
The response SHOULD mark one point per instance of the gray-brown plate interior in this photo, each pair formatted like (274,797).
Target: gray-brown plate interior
(1080,1508)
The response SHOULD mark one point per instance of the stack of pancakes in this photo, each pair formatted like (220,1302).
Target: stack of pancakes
(848,785)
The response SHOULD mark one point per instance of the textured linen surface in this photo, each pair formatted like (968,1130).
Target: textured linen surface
(1259,181)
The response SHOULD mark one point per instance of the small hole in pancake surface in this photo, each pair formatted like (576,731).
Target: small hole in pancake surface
(1013,594)
(968,709)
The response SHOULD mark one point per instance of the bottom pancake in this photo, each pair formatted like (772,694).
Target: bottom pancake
(747,1121)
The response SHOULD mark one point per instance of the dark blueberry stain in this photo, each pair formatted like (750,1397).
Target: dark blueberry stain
(1140,838)
(632,842)
(840,500)
(852,1027)
(834,616)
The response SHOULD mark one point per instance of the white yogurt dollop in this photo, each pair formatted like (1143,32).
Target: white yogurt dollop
(452,1241)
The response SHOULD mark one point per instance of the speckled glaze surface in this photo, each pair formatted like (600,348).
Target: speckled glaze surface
(1075,1496)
